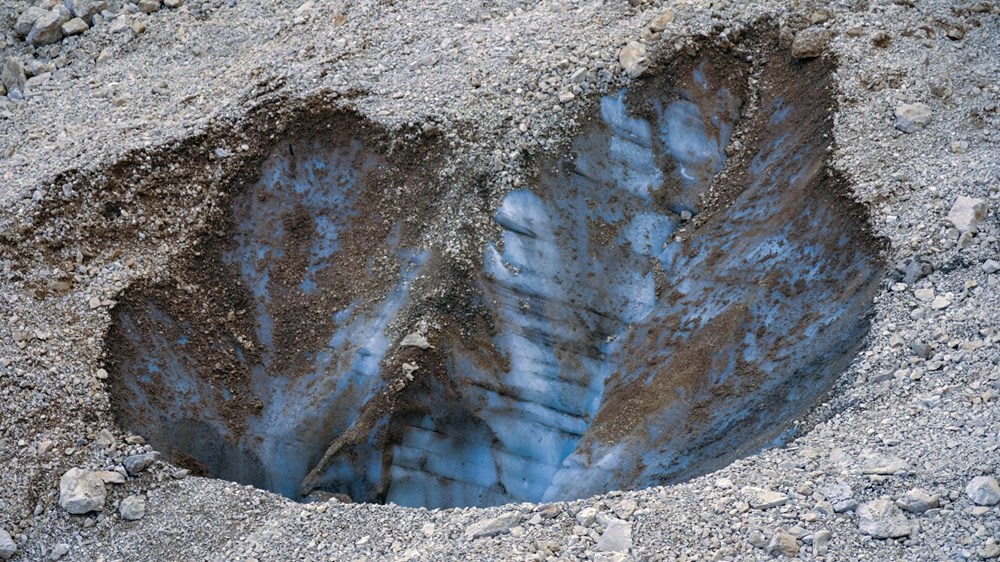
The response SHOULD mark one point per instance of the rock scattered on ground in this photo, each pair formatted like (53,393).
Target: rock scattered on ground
(81,491)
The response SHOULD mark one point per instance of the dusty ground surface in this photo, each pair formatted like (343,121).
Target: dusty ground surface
(89,207)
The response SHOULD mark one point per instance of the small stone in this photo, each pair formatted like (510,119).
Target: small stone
(58,551)
(494,526)
(661,21)
(87,9)
(616,538)
(911,117)
(925,295)
(724,484)
(884,464)
(12,75)
(132,508)
(586,516)
(110,476)
(632,59)
(81,491)
(967,212)
(138,27)
(75,26)
(940,302)
(991,266)
(821,542)
(917,501)
(881,519)
(783,543)
(810,43)
(415,339)
(625,509)
(983,490)
(7,545)
(149,6)
(819,16)
(955,33)
(47,29)
(173,3)
(988,551)
(27,20)
(759,498)
(137,463)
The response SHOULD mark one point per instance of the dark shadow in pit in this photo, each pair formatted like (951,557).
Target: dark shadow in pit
(653,307)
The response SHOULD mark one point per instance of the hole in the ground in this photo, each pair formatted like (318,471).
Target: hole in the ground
(604,341)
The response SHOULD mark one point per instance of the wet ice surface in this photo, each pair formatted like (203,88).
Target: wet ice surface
(621,357)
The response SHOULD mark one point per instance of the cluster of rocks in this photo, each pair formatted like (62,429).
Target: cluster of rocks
(52,20)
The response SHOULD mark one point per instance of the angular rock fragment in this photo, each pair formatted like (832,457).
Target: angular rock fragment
(81,491)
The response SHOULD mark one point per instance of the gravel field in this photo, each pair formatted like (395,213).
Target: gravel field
(115,140)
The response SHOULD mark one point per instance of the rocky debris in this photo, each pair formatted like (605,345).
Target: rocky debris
(840,496)
(135,464)
(173,3)
(81,491)
(760,498)
(881,519)
(967,212)
(47,29)
(7,545)
(810,43)
(633,60)
(617,537)
(917,501)
(911,117)
(12,76)
(494,526)
(783,543)
(132,508)
(983,490)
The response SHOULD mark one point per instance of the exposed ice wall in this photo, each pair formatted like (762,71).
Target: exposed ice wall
(618,357)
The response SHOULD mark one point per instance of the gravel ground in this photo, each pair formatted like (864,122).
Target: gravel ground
(899,464)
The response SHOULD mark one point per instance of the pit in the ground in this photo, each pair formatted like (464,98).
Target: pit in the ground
(664,297)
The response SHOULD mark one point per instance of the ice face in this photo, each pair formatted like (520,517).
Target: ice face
(608,343)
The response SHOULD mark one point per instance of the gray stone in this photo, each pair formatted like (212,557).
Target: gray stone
(132,508)
(75,26)
(836,492)
(616,538)
(759,498)
(149,6)
(173,3)
(989,550)
(810,43)
(81,491)
(821,542)
(884,464)
(991,266)
(911,117)
(137,463)
(586,516)
(967,212)
(783,543)
(494,526)
(12,76)
(881,519)
(661,21)
(47,29)
(58,551)
(7,545)
(87,9)
(633,60)
(415,339)
(917,501)
(983,490)
(27,20)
